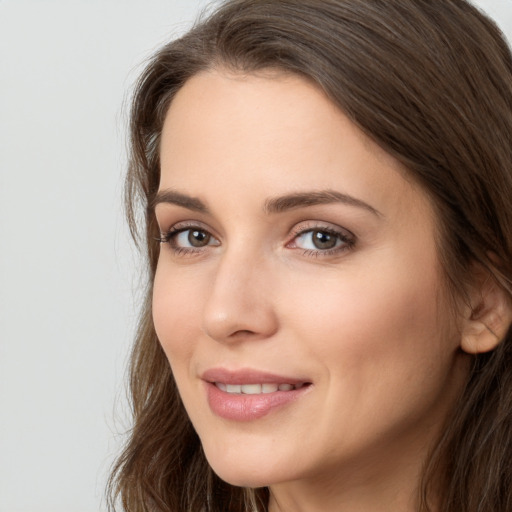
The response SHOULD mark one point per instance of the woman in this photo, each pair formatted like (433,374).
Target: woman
(326,191)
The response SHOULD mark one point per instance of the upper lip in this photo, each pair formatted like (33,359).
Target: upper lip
(248,376)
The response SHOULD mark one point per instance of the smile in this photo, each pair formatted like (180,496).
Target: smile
(256,389)
(248,394)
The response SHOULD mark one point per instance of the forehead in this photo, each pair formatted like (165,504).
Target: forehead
(273,133)
(237,105)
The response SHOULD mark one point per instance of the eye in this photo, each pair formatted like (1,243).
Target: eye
(321,241)
(192,238)
(188,239)
(318,239)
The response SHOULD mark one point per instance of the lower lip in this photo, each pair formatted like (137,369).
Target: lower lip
(240,407)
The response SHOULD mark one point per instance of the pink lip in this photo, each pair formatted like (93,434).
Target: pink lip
(247,376)
(241,407)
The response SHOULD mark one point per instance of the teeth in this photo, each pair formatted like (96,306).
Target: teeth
(251,389)
(256,389)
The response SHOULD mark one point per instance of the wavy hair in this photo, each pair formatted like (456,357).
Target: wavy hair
(431,83)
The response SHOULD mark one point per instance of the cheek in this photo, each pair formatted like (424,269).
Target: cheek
(375,318)
(175,313)
(383,348)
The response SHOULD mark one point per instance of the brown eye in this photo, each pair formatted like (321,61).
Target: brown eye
(197,238)
(189,239)
(324,239)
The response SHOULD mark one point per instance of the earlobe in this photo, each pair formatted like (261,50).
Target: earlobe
(488,319)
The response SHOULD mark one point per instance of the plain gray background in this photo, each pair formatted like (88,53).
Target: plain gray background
(68,274)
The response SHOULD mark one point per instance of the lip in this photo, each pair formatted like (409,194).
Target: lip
(247,376)
(241,407)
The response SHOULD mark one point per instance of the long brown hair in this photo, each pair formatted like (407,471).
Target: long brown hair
(431,83)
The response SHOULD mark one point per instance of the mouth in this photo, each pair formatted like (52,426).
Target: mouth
(248,395)
(257,389)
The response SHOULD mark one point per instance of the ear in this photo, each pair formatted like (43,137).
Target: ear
(488,317)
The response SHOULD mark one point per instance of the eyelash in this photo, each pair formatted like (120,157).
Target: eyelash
(170,236)
(348,240)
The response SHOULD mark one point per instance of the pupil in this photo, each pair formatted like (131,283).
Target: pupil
(323,240)
(198,238)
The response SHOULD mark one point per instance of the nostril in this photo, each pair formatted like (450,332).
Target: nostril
(243,332)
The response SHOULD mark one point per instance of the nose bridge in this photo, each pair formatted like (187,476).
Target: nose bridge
(239,301)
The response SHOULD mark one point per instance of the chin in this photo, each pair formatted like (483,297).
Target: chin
(244,471)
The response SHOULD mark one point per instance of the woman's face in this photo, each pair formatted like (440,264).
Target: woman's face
(298,295)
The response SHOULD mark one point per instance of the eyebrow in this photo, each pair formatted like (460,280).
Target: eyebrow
(273,205)
(304,199)
(173,197)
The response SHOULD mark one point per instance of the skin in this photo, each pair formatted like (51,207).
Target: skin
(366,323)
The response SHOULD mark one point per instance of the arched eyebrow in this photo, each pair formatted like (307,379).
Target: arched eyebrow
(313,198)
(174,197)
(273,205)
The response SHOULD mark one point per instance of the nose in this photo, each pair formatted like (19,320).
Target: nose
(239,305)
